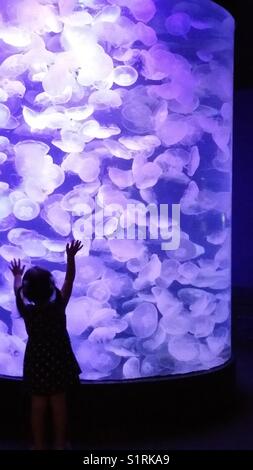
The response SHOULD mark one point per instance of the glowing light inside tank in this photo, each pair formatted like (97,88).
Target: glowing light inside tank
(104,104)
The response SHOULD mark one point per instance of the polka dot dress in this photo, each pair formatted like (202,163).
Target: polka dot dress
(49,364)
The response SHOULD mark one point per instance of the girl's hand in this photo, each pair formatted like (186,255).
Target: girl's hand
(73,247)
(16,268)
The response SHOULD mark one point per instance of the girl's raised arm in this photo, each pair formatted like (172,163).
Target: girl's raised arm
(17,271)
(71,250)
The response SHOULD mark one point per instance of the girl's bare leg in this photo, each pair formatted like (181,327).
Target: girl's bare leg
(39,408)
(59,414)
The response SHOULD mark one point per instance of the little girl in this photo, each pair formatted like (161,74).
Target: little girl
(50,366)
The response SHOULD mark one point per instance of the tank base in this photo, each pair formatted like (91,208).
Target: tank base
(112,412)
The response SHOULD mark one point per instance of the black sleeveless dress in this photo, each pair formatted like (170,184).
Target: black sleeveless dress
(50,365)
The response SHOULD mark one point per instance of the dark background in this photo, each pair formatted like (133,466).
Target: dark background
(243,143)
(242,11)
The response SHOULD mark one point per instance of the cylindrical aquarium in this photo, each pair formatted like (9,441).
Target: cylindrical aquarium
(116,129)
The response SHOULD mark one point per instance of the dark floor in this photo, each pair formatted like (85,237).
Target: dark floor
(234,431)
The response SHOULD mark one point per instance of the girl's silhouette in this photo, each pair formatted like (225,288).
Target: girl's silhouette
(50,366)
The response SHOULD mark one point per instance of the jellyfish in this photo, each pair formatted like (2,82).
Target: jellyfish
(17,236)
(118,324)
(150,366)
(98,66)
(4,143)
(7,223)
(206,356)
(77,323)
(186,251)
(188,272)
(140,143)
(222,311)
(57,79)
(3,327)
(104,99)
(125,75)
(9,252)
(122,178)
(145,34)
(12,345)
(102,334)
(17,37)
(71,141)
(29,157)
(25,209)
(120,284)
(191,295)
(98,290)
(3,95)
(7,300)
(148,273)
(5,207)
(204,306)
(175,325)
(108,14)
(104,132)
(101,316)
(4,115)
(34,192)
(173,130)
(131,368)
(142,11)
(14,88)
(93,355)
(13,66)
(90,129)
(111,226)
(122,347)
(218,340)
(169,271)
(82,229)
(59,277)
(183,348)
(144,320)
(108,196)
(178,24)
(66,8)
(118,150)
(80,113)
(147,176)
(89,169)
(124,250)
(104,361)
(136,264)
(9,365)
(55,216)
(89,268)
(172,163)
(156,340)
(78,201)
(202,326)
(139,119)
(166,302)
(217,238)
(18,328)
(158,63)
(34,248)
(4,187)
(194,163)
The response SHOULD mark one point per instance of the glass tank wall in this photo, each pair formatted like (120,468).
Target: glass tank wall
(116,124)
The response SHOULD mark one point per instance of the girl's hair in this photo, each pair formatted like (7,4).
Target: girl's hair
(38,285)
